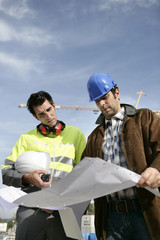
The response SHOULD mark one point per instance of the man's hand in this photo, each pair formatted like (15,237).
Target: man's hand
(149,178)
(35,179)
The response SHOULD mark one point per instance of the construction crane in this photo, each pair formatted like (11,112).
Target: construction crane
(140,94)
(69,107)
(79,108)
(89,108)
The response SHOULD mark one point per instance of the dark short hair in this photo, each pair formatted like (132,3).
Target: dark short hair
(37,99)
(114,89)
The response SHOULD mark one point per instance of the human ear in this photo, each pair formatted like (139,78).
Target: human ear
(117,93)
(53,104)
(35,116)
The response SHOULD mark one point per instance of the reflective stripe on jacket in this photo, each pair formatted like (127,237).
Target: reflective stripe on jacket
(65,150)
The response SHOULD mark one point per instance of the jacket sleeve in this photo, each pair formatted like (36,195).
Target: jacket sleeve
(154,131)
(87,151)
(94,143)
(10,176)
(80,146)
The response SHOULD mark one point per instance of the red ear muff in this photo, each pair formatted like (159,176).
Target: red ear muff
(44,129)
(58,128)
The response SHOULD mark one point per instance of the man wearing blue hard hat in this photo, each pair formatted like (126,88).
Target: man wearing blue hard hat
(128,137)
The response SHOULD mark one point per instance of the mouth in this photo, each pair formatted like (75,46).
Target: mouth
(106,109)
(51,121)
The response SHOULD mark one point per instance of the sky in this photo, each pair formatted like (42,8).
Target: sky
(56,45)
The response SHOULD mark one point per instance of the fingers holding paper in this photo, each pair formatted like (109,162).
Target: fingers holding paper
(149,178)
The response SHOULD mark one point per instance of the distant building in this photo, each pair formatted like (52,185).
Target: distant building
(3,227)
(87,227)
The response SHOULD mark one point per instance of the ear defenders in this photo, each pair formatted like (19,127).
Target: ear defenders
(44,129)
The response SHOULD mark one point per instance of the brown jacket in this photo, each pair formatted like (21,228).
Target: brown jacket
(141,146)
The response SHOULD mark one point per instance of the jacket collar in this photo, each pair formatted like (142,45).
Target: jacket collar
(129,110)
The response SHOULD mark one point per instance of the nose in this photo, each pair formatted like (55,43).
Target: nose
(47,115)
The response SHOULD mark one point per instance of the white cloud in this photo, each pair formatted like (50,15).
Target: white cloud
(6,32)
(16,9)
(126,4)
(73,8)
(29,35)
(146,3)
(36,36)
(20,66)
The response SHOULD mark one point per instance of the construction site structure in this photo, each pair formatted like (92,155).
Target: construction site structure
(140,94)
(95,110)
(69,107)
(89,108)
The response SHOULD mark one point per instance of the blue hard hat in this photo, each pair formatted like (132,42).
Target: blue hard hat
(98,85)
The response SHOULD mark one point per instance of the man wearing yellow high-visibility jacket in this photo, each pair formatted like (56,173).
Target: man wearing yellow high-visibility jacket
(65,145)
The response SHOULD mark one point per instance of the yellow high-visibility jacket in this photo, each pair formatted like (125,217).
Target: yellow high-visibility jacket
(65,150)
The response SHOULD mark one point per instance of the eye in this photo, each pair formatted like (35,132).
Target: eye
(41,115)
(49,109)
(102,98)
(98,100)
(106,97)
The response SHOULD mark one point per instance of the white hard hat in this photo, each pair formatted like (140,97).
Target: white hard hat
(31,160)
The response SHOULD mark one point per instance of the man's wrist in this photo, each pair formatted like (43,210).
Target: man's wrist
(25,179)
